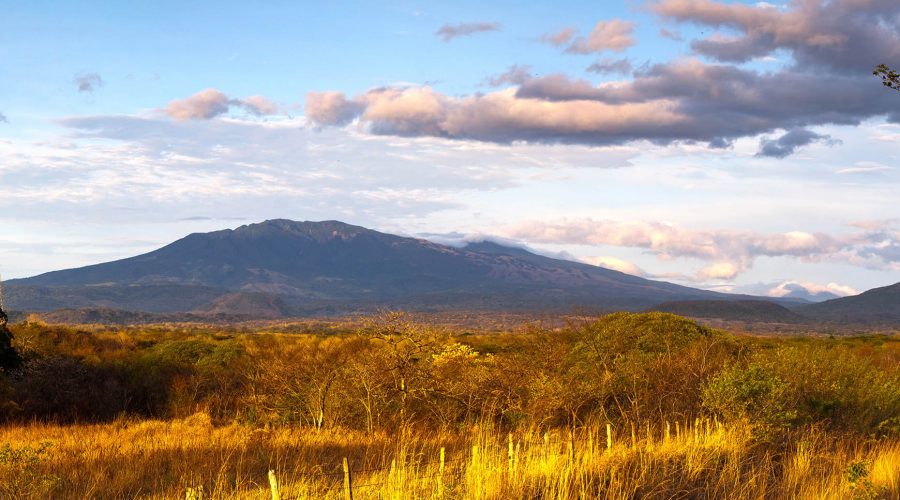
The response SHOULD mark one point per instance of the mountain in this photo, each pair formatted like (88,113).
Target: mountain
(281,267)
(762,311)
(876,306)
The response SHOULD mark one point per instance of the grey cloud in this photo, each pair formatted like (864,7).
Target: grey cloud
(3,118)
(788,143)
(735,49)
(849,36)
(88,82)
(448,32)
(609,66)
(515,75)
(559,87)
(719,102)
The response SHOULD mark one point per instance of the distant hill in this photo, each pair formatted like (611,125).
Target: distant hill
(876,306)
(87,316)
(282,267)
(257,304)
(734,310)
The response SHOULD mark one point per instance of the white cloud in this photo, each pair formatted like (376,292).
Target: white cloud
(865,167)
(787,287)
(728,253)
(615,263)
(159,165)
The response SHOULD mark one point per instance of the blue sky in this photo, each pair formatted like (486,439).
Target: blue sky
(734,145)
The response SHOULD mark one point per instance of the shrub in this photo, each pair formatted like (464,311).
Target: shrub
(21,470)
(754,393)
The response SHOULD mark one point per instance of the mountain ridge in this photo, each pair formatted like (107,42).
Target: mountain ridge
(285,267)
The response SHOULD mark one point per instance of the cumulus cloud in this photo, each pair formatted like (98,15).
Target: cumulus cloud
(332,108)
(210,103)
(609,66)
(727,253)
(515,75)
(560,37)
(848,36)
(448,32)
(88,82)
(788,143)
(503,117)
(616,35)
(203,105)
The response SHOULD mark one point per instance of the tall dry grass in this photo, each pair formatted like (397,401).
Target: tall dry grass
(700,459)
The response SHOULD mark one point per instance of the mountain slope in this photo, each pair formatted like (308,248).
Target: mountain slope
(878,305)
(310,265)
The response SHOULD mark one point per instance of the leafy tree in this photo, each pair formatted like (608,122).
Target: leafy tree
(889,77)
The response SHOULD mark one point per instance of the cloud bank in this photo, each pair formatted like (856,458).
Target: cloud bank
(727,253)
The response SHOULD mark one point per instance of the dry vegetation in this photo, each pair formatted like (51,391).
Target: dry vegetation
(692,412)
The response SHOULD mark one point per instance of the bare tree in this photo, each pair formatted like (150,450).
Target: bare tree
(889,77)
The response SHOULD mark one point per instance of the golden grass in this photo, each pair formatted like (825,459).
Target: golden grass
(155,459)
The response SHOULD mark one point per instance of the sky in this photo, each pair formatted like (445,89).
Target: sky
(735,146)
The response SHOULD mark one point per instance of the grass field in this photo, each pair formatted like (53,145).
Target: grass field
(155,459)
(623,406)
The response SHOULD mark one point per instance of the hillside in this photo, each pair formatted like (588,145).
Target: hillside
(304,267)
(761,311)
(876,306)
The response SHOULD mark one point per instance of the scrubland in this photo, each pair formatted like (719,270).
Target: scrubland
(621,406)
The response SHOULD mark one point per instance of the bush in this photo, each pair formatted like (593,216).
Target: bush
(754,393)
(65,389)
(21,469)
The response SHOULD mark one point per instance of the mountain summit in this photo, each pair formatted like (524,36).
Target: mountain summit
(338,266)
